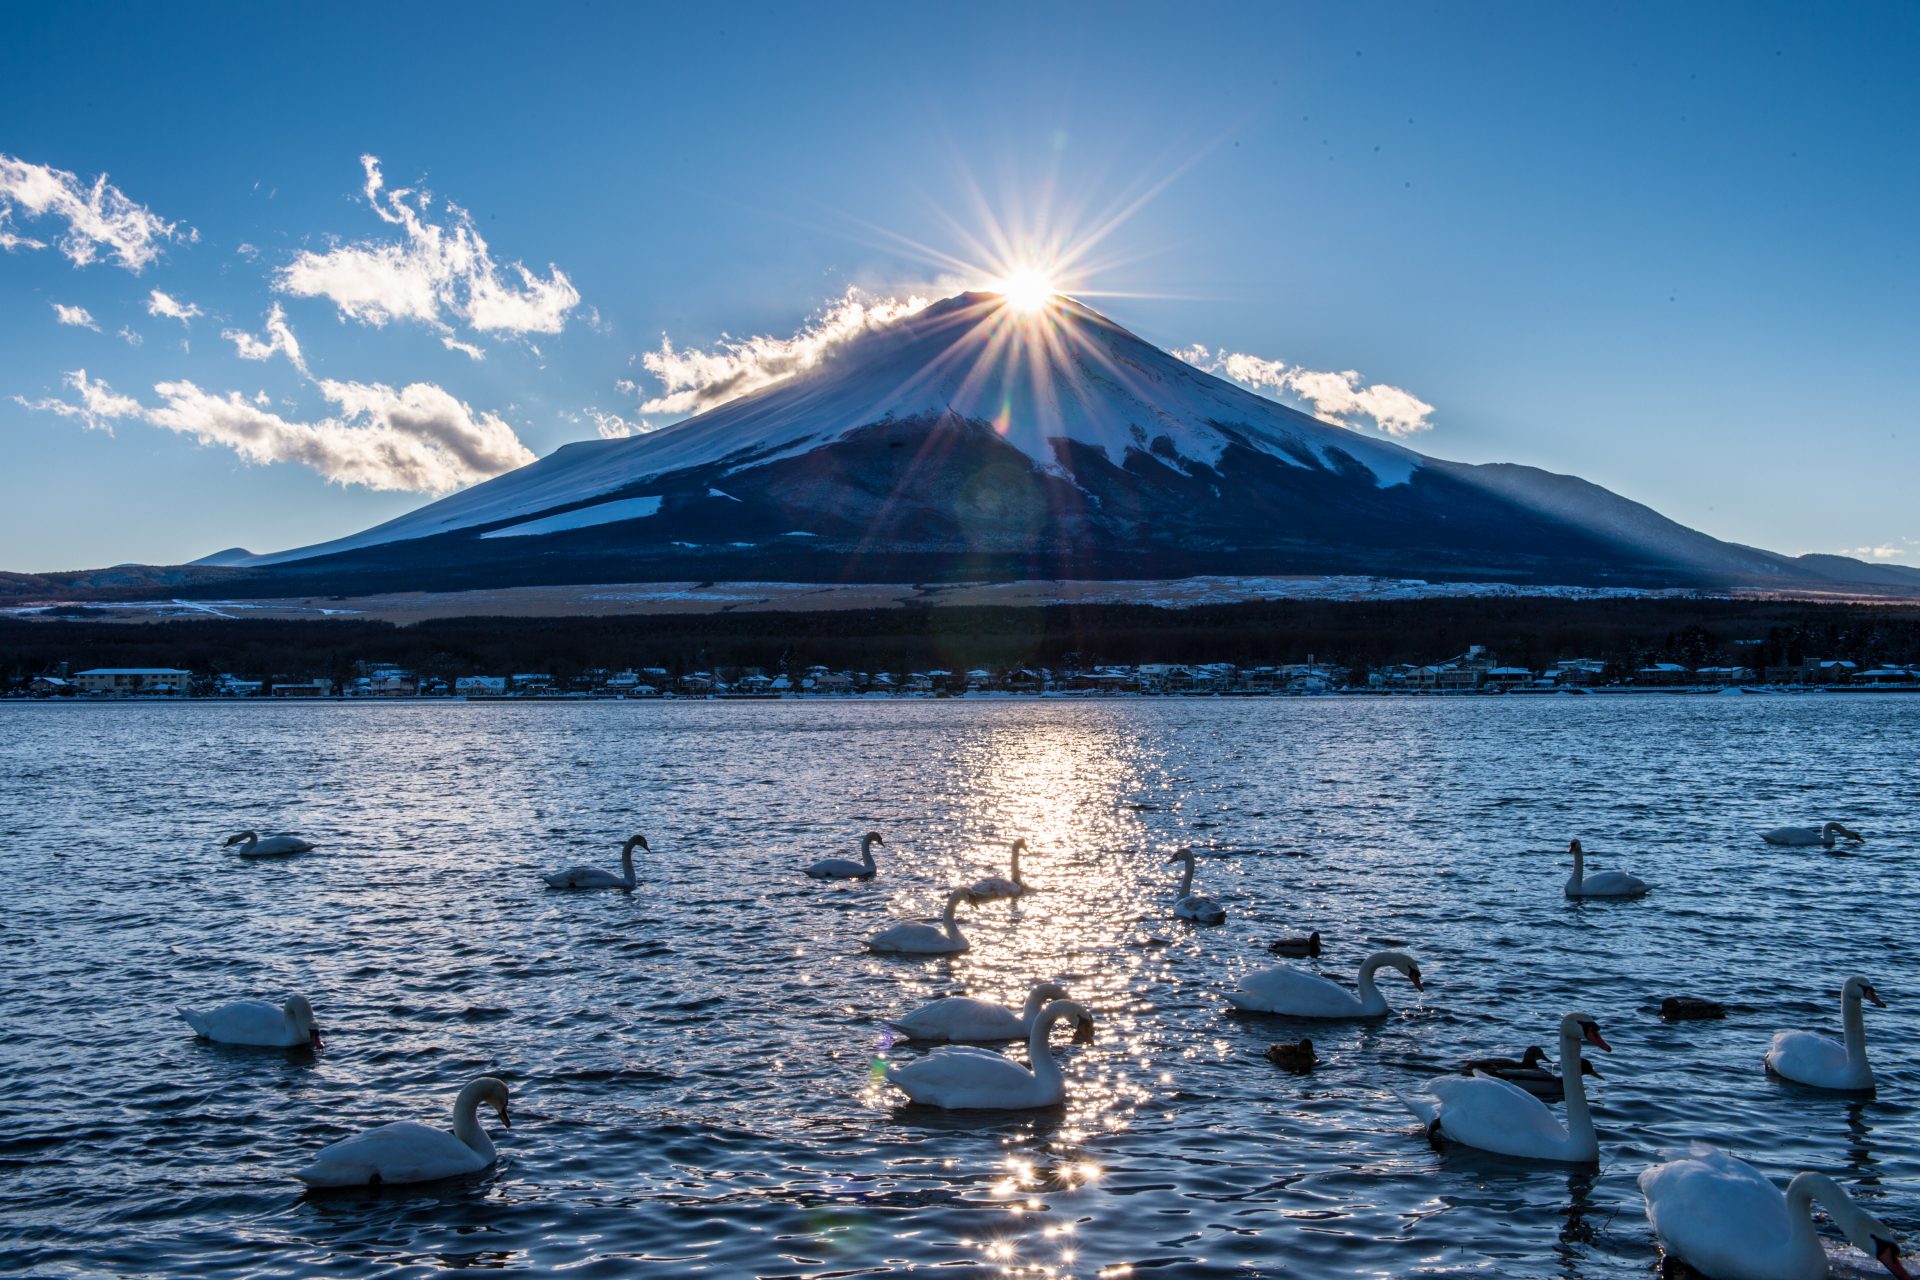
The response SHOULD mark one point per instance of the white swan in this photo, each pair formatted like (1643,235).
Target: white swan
(847,868)
(256,1022)
(1802,837)
(1727,1221)
(1187,904)
(594,877)
(962,1078)
(1808,1058)
(1601,884)
(1282,988)
(254,845)
(963,1018)
(995,888)
(1488,1113)
(406,1151)
(911,937)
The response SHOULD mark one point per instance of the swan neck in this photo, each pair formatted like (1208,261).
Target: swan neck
(866,851)
(947,916)
(466,1124)
(1015,875)
(1579,867)
(1031,1009)
(1370,997)
(1186,877)
(1579,1118)
(1853,1025)
(1040,1054)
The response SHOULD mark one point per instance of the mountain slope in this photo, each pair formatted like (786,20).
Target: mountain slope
(973,441)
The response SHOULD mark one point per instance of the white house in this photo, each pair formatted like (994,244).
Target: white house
(133,680)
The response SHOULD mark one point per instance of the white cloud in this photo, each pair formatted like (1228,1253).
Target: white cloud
(418,438)
(170,308)
(698,380)
(1902,549)
(279,340)
(614,427)
(467,349)
(133,339)
(434,269)
(1335,397)
(98,404)
(75,316)
(99,217)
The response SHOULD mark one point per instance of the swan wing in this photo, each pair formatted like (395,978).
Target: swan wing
(964,1077)
(1811,1058)
(996,887)
(1201,908)
(1791,835)
(1613,884)
(837,869)
(1492,1115)
(962,1018)
(253,1022)
(585,878)
(912,936)
(405,1151)
(1281,988)
(1723,1217)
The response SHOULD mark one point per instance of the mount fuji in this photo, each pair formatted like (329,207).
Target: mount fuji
(974,440)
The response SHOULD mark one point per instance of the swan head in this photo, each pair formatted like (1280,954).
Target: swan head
(1071,1011)
(300,1014)
(1838,829)
(1181,855)
(1581,1026)
(1020,844)
(872,837)
(492,1091)
(634,842)
(243,837)
(1404,963)
(1574,848)
(1860,988)
(1048,991)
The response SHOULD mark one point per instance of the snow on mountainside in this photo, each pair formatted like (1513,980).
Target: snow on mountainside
(974,441)
(1067,374)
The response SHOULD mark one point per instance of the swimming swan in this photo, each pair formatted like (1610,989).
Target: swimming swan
(1601,884)
(1727,1221)
(594,877)
(1491,1114)
(962,1078)
(1189,905)
(910,937)
(253,845)
(1808,1058)
(256,1022)
(847,868)
(407,1151)
(995,888)
(1802,837)
(963,1018)
(1285,989)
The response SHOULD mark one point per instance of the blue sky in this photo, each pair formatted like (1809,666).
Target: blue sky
(1667,248)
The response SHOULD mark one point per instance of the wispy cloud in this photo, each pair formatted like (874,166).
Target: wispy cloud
(1336,398)
(77,316)
(418,438)
(132,339)
(98,405)
(1901,549)
(279,341)
(695,380)
(614,427)
(99,217)
(435,271)
(171,308)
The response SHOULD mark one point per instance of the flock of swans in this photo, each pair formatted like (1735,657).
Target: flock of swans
(1716,1213)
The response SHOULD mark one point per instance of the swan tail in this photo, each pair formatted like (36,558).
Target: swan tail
(194,1020)
(1425,1110)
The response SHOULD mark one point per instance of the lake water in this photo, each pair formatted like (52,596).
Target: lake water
(693,1065)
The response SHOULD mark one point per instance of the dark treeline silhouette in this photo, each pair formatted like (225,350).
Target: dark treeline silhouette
(1524,632)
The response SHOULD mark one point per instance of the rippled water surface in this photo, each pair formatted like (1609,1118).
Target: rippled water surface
(693,1065)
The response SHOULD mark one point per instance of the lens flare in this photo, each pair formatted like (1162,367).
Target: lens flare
(1026,289)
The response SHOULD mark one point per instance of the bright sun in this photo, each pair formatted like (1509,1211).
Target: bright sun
(1026,290)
